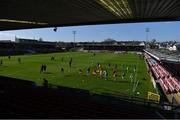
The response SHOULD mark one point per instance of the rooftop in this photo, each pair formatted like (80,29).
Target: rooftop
(23,14)
(166,54)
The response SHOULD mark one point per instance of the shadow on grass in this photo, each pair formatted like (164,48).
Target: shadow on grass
(119,81)
(47,73)
(3,66)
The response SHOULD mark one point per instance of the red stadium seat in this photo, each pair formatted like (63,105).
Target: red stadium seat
(167,82)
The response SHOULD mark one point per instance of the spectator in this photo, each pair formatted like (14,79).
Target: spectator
(19,60)
(9,57)
(80,71)
(70,63)
(94,72)
(45,67)
(45,83)
(1,61)
(41,68)
(94,54)
(88,71)
(62,70)
(105,74)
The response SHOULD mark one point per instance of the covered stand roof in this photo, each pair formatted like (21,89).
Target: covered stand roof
(23,14)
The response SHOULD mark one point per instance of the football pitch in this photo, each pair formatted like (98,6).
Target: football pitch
(134,81)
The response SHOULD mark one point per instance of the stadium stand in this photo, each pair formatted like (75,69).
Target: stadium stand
(22,99)
(174,67)
(28,103)
(169,59)
(117,46)
(167,81)
(28,46)
(20,48)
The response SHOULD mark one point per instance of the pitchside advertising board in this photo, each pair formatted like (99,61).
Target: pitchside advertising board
(153,97)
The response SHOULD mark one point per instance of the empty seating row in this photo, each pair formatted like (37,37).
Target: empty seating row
(167,82)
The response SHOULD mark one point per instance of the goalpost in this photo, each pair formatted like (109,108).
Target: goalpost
(135,85)
(135,81)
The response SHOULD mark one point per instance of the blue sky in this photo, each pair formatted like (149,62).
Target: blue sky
(161,31)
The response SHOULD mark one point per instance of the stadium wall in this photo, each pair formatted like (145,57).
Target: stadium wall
(12,48)
(112,48)
(174,67)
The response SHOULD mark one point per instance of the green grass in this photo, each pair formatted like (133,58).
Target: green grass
(29,69)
